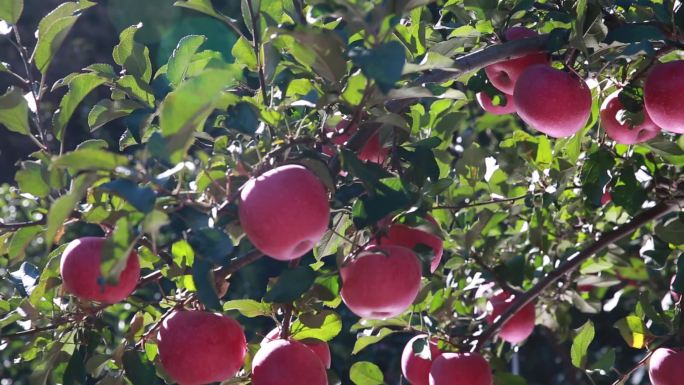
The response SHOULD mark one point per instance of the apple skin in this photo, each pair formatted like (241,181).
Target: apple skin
(554,102)
(410,237)
(284,212)
(417,369)
(80,270)
(382,282)
(461,369)
(662,96)
(284,362)
(606,198)
(488,105)
(666,367)
(520,326)
(321,348)
(372,151)
(198,347)
(504,75)
(625,133)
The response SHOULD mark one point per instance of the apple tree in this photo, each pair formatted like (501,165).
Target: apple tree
(366,192)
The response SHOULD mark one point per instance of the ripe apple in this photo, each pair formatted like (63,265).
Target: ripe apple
(625,133)
(197,347)
(488,105)
(504,74)
(666,367)
(321,348)
(285,211)
(81,274)
(518,328)
(460,368)
(372,151)
(402,235)
(287,362)
(416,369)
(381,282)
(662,96)
(554,102)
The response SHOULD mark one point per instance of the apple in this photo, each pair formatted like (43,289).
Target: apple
(504,74)
(284,212)
(321,348)
(520,326)
(488,105)
(666,367)
(381,282)
(552,101)
(415,368)
(662,96)
(461,369)
(81,274)
(198,347)
(625,133)
(287,362)
(410,237)
(372,151)
(606,198)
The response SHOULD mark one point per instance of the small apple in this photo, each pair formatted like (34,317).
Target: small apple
(197,347)
(321,348)
(287,362)
(504,75)
(81,274)
(284,212)
(402,235)
(373,151)
(666,367)
(606,198)
(554,102)
(381,282)
(415,368)
(488,105)
(625,133)
(461,369)
(662,96)
(520,326)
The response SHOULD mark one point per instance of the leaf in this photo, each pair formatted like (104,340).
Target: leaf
(205,7)
(90,159)
(366,373)
(212,244)
(75,371)
(291,284)
(365,341)
(107,110)
(14,111)
(25,279)
(21,240)
(383,64)
(633,331)
(634,33)
(79,87)
(324,325)
(116,250)
(671,231)
(33,178)
(132,56)
(138,370)
(181,57)
(61,209)
(248,307)
(320,50)
(142,198)
(580,345)
(244,53)
(10,10)
(203,277)
(136,88)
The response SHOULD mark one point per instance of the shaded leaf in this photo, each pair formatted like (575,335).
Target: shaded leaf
(142,198)
(133,56)
(291,284)
(107,110)
(79,87)
(14,111)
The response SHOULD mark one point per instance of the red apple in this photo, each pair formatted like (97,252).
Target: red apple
(381,282)
(285,211)
(554,102)
(81,274)
(666,367)
(410,237)
(461,369)
(286,362)
(504,74)
(518,328)
(197,347)
(625,133)
(415,368)
(662,96)
(321,348)
(488,105)
(606,198)
(372,151)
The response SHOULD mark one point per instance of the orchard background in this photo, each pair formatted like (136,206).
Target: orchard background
(141,121)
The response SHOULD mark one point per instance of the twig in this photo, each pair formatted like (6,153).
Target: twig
(256,44)
(287,314)
(20,225)
(32,331)
(477,204)
(238,264)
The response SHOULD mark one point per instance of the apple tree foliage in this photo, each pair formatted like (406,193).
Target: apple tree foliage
(515,208)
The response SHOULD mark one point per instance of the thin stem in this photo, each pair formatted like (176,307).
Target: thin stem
(287,314)
(256,44)
(477,204)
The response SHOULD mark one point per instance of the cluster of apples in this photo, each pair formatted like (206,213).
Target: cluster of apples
(558,103)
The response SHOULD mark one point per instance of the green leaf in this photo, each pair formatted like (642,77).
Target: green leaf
(203,277)
(212,244)
(33,178)
(205,7)
(116,250)
(10,10)
(75,372)
(14,111)
(366,373)
(90,159)
(633,331)
(142,198)
(244,53)
(634,33)
(580,345)
(671,231)
(21,240)
(249,308)
(383,64)
(79,87)
(365,341)
(61,209)
(138,370)
(132,56)
(107,110)
(136,88)
(320,50)
(181,58)
(324,325)
(291,284)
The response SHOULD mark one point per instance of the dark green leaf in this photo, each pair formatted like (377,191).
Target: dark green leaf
(634,33)
(142,198)
(291,284)
(138,370)
(75,372)
(14,111)
(203,276)
(116,250)
(383,64)
(25,279)
(212,244)
(107,110)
